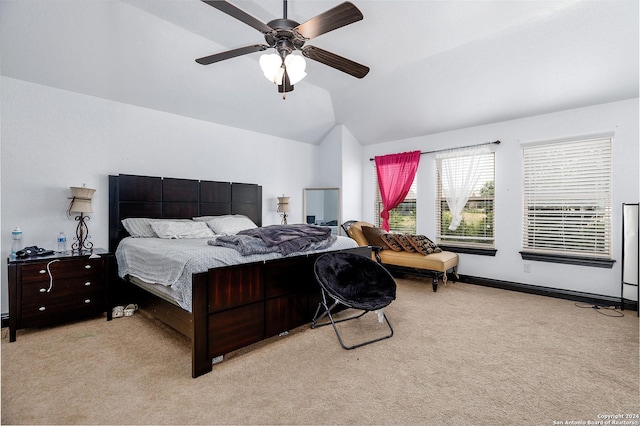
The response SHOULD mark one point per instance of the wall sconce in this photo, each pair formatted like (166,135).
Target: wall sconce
(283,207)
(81,203)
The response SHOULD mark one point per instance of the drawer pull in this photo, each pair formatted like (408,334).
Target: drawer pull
(87,266)
(87,301)
(42,271)
(41,308)
(51,276)
(88,283)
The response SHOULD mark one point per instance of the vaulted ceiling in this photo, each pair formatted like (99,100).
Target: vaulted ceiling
(436,65)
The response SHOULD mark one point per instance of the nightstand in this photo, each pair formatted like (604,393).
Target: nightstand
(46,290)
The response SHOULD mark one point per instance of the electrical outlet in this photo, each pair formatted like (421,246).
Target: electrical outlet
(527,267)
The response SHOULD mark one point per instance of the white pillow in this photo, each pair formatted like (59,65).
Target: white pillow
(230,224)
(189,229)
(140,227)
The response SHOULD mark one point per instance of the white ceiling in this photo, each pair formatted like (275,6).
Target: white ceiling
(436,65)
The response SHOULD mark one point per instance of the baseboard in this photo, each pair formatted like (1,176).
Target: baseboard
(595,299)
(577,296)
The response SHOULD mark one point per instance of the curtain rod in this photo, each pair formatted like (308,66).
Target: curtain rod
(450,149)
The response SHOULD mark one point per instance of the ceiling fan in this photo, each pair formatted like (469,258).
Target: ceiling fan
(287,36)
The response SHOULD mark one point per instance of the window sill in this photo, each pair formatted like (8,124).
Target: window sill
(597,262)
(469,250)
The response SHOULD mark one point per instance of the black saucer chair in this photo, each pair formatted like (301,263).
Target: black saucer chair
(356,282)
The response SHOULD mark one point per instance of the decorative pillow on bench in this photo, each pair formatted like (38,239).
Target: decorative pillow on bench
(391,242)
(423,244)
(399,242)
(410,243)
(404,241)
(374,236)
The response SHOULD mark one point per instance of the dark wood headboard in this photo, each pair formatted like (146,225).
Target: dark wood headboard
(170,198)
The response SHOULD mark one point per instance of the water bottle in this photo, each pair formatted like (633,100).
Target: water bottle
(62,243)
(16,236)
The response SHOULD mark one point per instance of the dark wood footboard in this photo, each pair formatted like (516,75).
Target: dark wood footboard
(236,306)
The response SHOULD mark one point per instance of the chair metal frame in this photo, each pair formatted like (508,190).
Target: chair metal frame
(333,322)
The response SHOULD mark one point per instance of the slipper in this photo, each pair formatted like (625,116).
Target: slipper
(117,312)
(130,309)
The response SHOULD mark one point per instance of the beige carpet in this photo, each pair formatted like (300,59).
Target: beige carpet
(466,355)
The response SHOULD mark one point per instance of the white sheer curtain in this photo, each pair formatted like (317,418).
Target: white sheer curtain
(459,178)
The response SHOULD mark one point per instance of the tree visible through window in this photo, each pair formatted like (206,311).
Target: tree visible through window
(402,219)
(476,228)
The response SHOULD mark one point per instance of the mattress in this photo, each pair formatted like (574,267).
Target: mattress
(171,263)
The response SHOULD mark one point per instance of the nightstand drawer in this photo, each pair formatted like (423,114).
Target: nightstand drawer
(88,302)
(43,290)
(57,269)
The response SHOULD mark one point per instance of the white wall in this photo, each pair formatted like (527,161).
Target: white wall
(618,117)
(351,177)
(53,139)
(339,166)
(329,160)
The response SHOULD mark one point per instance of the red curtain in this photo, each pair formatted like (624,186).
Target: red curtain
(395,176)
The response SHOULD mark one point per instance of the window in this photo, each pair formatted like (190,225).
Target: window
(567,197)
(402,219)
(476,169)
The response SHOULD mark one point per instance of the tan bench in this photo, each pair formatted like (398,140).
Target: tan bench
(435,264)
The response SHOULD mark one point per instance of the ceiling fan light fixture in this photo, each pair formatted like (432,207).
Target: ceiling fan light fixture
(271,65)
(295,68)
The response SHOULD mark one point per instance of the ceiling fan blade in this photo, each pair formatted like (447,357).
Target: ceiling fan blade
(231,54)
(239,14)
(335,61)
(339,16)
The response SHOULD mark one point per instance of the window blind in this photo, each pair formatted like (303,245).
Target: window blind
(567,197)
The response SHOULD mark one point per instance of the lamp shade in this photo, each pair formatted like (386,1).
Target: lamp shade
(283,204)
(79,205)
(81,200)
(82,192)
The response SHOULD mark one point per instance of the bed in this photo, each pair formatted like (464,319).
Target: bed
(232,305)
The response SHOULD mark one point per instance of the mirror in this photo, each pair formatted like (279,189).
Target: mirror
(322,207)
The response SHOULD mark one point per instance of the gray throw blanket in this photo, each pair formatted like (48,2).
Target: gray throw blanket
(285,239)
